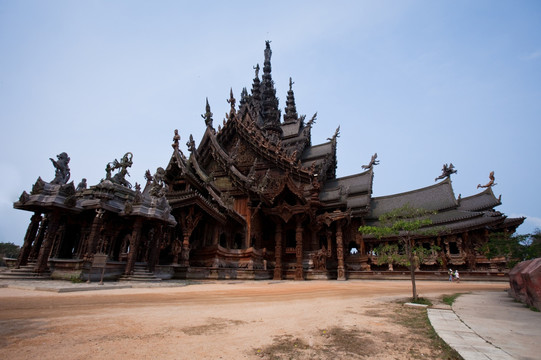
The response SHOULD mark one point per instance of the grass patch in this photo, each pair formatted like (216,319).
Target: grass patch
(450,299)
(76,279)
(417,321)
(422,301)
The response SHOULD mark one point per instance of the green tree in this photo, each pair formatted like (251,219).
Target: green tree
(514,248)
(405,224)
(8,250)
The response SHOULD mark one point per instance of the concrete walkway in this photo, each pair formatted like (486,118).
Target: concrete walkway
(489,325)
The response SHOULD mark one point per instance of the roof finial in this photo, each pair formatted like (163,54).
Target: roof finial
(372,162)
(491,183)
(446,171)
(231,100)
(176,139)
(268,51)
(207,115)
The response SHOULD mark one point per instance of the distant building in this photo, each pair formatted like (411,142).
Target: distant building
(255,199)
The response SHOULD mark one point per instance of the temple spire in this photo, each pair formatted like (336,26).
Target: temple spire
(269,102)
(290,110)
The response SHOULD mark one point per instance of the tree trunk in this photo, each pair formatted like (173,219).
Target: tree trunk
(413,287)
(411,258)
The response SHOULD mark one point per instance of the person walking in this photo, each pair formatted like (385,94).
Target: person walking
(457,276)
(450,272)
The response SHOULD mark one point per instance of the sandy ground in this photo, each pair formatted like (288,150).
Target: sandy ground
(225,320)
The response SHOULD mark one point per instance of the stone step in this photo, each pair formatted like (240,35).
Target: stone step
(24,275)
(140,273)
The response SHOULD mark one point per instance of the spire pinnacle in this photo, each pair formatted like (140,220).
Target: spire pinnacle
(290,110)
(269,103)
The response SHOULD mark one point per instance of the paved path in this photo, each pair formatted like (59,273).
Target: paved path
(489,325)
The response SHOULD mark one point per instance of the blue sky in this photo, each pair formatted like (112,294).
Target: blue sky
(422,83)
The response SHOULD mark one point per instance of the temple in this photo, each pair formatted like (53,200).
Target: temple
(254,199)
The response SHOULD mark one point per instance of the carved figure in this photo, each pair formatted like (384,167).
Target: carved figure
(446,171)
(176,139)
(148,176)
(336,134)
(138,197)
(158,184)
(491,183)
(372,162)
(256,68)
(320,259)
(191,144)
(123,165)
(82,185)
(207,115)
(231,101)
(62,170)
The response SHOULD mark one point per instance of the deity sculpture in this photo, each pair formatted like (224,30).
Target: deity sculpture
(123,165)
(62,170)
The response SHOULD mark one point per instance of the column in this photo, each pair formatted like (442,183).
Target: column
(298,251)
(134,246)
(185,252)
(278,251)
(28,240)
(45,250)
(34,253)
(94,233)
(340,252)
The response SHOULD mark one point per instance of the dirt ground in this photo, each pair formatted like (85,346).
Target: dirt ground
(224,320)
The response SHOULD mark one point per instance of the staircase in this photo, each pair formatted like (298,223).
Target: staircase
(25,272)
(140,273)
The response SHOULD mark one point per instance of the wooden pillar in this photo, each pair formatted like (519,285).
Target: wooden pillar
(134,246)
(47,245)
(278,251)
(29,238)
(329,243)
(340,252)
(154,256)
(57,246)
(298,250)
(185,252)
(94,233)
(34,253)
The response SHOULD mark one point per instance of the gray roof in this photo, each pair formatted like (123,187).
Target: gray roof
(317,151)
(290,129)
(436,198)
(483,201)
(352,191)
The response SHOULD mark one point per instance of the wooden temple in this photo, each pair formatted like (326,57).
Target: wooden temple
(254,199)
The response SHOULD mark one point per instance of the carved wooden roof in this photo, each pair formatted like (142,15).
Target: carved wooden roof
(483,201)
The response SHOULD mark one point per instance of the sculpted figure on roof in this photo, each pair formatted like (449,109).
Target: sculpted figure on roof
(372,162)
(158,183)
(122,165)
(491,183)
(446,171)
(62,170)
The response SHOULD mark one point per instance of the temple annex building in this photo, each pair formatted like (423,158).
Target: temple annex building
(254,199)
